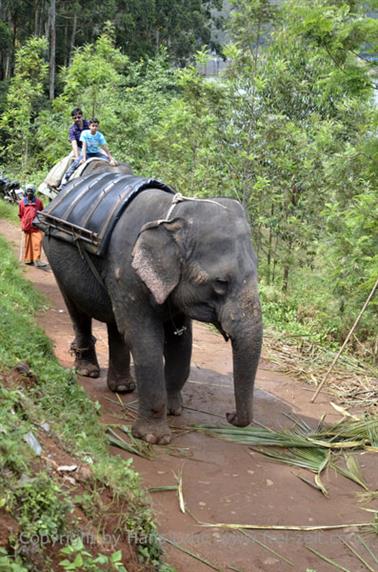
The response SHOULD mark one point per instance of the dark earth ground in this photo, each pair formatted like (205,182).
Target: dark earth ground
(226,482)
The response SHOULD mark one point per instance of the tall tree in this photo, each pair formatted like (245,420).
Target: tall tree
(52,47)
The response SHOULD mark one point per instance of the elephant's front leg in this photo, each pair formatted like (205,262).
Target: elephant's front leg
(147,351)
(178,353)
(83,346)
(119,376)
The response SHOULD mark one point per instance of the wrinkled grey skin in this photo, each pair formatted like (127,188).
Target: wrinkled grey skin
(158,277)
(94,167)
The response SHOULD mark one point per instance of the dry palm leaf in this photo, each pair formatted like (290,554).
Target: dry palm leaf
(349,433)
(352,471)
(133,446)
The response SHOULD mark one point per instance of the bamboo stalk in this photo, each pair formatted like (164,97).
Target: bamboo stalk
(326,559)
(345,342)
(357,555)
(268,548)
(162,489)
(192,554)
(180,492)
(367,548)
(282,527)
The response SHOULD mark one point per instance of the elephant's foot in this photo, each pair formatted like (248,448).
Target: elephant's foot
(174,404)
(85,359)
(152,431)
(87,369)
(236,420)
(118,384)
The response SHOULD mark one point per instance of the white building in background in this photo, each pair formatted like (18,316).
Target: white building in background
(216,64)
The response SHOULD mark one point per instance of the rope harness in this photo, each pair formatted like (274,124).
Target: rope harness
(179,198)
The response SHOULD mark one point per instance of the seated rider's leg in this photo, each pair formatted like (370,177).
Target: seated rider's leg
(72,168)
(98,155)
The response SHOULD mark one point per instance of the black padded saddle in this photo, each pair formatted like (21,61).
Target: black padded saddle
(88,209)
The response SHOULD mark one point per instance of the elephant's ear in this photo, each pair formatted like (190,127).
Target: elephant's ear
(157,259)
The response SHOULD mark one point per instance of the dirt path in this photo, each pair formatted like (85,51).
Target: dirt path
(225,482)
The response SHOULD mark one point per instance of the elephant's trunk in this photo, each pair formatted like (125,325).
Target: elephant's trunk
(244,327)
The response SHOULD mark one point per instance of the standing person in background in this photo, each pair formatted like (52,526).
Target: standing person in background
(27,211)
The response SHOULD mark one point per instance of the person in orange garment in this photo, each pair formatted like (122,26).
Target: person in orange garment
(27,210)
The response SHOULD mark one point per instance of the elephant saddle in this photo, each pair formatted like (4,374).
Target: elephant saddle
(88,208)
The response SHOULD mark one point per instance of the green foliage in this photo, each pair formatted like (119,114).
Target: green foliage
(140,28)
(95,72)
(180,26)
(10,563)
(80,559)
(24,99)
(54,396)
(351,253)
(42,507)
(9,211)
(188,161)
(5,36)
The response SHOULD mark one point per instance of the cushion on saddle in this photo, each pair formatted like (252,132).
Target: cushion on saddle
(88,209)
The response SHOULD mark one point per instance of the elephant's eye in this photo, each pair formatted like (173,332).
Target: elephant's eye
(220,286)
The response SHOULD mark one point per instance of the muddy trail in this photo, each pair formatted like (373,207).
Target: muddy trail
(225,482)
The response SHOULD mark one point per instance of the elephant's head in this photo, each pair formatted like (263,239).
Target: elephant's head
(203,262)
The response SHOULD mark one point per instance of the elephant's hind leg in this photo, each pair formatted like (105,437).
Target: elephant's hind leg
(119,378)
(178,353)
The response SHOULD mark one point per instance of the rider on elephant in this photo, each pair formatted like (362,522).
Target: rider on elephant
(92,141)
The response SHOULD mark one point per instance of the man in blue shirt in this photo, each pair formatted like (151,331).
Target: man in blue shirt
(79,125)
(92,142)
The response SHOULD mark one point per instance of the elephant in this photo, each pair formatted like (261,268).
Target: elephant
(96,166)
(169,261)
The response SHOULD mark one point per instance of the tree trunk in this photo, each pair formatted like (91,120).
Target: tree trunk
(73,38)
(52,45)
(36,17)
(286,268)
(65,45)
(270,245)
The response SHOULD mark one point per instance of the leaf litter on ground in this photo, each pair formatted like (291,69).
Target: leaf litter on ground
(268,548)
(192,554)
(309,448)
(132,445)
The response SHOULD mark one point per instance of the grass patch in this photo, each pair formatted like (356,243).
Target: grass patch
(9,211)
(39,391)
